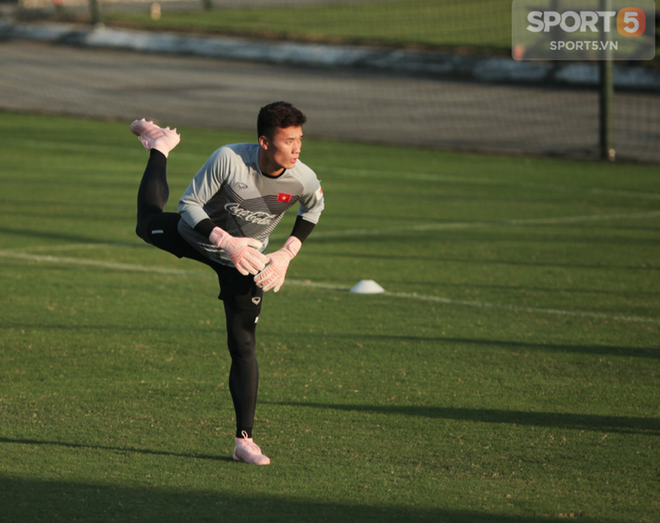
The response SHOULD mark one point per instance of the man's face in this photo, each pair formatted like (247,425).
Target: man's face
(283,150)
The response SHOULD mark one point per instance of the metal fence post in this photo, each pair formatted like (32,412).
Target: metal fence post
(606,94)
(95,11)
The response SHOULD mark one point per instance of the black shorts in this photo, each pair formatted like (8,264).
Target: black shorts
(236,291)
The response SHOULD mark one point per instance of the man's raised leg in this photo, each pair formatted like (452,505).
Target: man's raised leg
(154,191)
(155,226)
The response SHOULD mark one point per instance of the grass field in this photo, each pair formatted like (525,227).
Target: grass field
(465,26)
(508,375)
(474,26)
(484,24)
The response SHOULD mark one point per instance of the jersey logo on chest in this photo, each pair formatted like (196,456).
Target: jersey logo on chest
(258,217)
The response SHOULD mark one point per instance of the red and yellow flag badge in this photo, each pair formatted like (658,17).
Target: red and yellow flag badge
(284,197)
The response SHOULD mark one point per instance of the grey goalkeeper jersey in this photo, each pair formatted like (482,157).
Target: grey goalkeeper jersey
(231,191)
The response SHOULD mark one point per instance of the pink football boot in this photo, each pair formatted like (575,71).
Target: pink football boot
(247,450)
(154,137)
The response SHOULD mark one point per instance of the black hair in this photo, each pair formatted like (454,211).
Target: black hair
(278,114)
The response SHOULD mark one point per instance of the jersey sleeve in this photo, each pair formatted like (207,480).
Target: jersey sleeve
(202,187)
(311,202)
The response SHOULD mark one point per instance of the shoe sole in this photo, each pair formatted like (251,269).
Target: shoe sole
(236,458)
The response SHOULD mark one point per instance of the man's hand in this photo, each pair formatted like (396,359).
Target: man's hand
(241,251)
(272,277)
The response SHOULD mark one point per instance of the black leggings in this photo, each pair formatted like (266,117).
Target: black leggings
(241,297)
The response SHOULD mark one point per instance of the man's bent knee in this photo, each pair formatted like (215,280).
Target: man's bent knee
(142,230)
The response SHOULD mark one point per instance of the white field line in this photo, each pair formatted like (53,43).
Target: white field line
(533,310)
(381,231)
(93,148)
(403,295)
(440,178)
(485,305)
(466,225)
(359,232)
(96,263)
(74,247)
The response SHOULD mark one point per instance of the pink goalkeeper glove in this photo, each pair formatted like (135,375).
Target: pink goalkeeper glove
(278,262)
(241,251)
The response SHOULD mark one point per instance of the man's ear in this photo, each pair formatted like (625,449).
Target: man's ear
(263,142)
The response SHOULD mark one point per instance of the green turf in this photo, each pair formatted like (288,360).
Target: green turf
(430,23)
(509,375)
(463,26)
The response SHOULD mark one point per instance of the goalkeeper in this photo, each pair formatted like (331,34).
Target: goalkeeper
(225,218)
